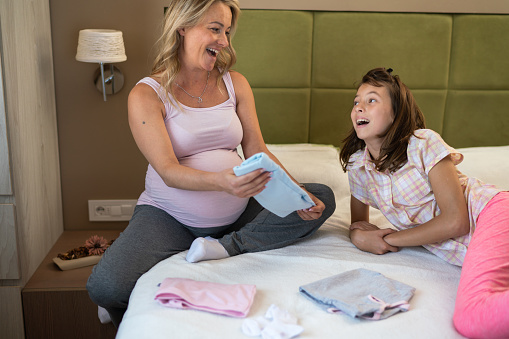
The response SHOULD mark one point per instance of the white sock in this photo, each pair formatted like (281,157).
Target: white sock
(254,327)
(104,316)
(206,249)
(279,330)
(275,313)
(277,324)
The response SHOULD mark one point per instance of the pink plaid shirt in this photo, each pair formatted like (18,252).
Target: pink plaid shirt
(406,198)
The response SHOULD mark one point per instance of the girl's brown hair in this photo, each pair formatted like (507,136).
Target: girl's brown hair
(407,118)
(183,14)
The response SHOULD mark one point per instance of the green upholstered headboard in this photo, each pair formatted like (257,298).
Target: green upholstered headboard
(304,67)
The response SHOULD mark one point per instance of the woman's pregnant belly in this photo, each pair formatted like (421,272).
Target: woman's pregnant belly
(197,208)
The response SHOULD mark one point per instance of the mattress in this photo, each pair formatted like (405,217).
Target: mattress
(279,273)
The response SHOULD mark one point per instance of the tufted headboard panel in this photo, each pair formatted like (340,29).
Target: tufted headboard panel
(304,67)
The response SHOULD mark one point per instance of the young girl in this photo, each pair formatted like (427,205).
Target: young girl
(409,174)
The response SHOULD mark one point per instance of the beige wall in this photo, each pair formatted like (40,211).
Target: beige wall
(99,159)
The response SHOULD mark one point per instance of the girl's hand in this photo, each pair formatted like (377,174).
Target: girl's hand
(314,212)
(369,238)
(244,186)
(363,225)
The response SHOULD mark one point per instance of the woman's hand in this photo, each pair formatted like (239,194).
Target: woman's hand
(314,212)
(244,186)
(252,143)
(369,238)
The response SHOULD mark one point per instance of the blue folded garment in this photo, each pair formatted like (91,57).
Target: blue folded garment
(360,293)
(282,196)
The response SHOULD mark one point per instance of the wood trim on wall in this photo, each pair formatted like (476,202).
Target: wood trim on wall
(429,6)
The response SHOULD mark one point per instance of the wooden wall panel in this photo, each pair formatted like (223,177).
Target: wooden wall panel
(63,314)
(11,319)
(5,173)
(31,127)
(30,111)
(9,260)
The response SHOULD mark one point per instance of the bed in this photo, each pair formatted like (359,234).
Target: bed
(278,274)
(303,67)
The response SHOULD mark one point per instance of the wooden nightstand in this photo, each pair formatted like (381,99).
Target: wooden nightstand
(56,303)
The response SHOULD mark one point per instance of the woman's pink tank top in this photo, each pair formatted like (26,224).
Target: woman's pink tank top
(204,139)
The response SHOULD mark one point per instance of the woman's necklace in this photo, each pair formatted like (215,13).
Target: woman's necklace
(192,96)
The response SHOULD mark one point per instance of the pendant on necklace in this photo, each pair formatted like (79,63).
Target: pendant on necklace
(200,100)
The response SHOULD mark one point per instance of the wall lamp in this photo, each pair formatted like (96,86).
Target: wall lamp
(103,46)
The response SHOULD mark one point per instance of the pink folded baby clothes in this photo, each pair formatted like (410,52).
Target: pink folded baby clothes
(230,300)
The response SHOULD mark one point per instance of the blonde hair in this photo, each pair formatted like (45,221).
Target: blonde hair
(183,14)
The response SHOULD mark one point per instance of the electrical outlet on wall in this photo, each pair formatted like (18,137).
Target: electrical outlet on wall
(110,210)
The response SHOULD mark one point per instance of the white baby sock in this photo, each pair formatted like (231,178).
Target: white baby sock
(277,324)
(280,330)
(275,313)
(206,249)
(254,327)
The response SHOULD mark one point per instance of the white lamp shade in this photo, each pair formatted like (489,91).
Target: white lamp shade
(101,45)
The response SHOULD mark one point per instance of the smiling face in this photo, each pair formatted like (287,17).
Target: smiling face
(203,42)
(372,116)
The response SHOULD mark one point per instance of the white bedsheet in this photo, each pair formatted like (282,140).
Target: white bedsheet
(279,273)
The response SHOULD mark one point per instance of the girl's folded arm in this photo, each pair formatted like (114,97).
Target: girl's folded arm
(366,236)
(359,210)
(453,219)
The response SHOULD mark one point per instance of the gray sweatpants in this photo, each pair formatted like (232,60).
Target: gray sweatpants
(153,235)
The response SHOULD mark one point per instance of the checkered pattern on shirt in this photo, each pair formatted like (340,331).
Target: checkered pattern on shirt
(406,198)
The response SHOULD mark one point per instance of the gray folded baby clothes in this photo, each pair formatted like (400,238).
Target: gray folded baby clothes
(282,196)
(360,293)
